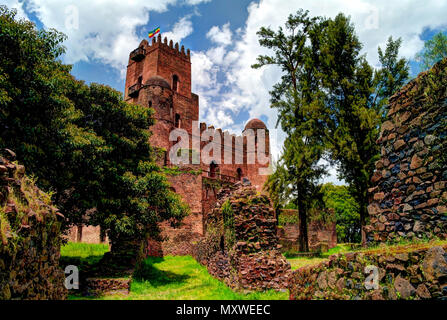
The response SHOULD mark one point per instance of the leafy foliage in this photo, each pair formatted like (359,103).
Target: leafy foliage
(81,141)
(296,97)
(330,101)
(228,224)
(346,210)
(434,50)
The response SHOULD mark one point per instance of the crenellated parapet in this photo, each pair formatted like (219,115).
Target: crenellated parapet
(146,47)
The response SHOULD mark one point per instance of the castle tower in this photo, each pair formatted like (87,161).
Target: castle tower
(159,76)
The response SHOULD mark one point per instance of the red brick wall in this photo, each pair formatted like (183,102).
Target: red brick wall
(317,232)
(87,234)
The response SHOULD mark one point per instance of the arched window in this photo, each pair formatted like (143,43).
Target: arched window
(150,104)
(177,120)
(175,83)
(239,173)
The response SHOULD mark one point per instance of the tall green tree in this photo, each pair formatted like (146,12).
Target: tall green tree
(355,99)
(330,101)
(83,142)
(391,76)
(296,97)
(434,50)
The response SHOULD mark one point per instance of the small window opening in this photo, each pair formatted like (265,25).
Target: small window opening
(175,83)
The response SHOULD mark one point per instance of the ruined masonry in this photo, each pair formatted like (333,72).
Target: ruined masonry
(409,199)
(415,272)
(30,237)
(240,246)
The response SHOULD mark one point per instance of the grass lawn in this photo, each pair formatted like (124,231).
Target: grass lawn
(298,262)
(169,278)
(83,250)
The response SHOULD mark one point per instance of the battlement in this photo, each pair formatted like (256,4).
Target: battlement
(146,47)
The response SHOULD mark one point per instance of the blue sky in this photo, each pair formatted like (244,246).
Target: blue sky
(221,35)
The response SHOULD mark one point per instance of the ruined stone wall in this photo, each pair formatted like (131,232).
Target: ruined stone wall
(410,193)
(321,236)
(29,238)
(411,273)
(86,234)
(187,182)
(240,246)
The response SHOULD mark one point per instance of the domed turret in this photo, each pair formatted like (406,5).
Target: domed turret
(255,124)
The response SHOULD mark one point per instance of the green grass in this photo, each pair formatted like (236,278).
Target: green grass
(82,255)
(83,250)
(168,278)
(298,262)
(183,278)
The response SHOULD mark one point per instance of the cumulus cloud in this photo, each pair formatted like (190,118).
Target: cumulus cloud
(180,30)
(98,30)
(221,36)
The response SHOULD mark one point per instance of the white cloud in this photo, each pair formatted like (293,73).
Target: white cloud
(194,2)
(16,4)
(97,30)
(181,30)
(100,30)
(220,36)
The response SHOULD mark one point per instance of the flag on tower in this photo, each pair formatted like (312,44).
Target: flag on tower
(154,32)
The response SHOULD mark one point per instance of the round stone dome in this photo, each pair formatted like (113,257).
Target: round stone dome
(255,124)
(158,81)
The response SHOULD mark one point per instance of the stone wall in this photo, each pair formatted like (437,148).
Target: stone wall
(412,273)
(29,238)
(410,182)
(321,236)
(240,245)
(86,234)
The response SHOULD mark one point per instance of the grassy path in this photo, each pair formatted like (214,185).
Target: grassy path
(168,278)
(173,278)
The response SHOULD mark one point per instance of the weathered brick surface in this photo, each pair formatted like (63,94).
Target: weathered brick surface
(100,286)
(241,246)
(411,273)
(410,194)
(30,238)
(86,234)
(321,236)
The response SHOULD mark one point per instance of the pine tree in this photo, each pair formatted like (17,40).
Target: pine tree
(297,98)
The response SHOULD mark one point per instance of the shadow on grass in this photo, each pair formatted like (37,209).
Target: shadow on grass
(148,271)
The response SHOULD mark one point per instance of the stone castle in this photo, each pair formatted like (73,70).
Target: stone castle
(159,76)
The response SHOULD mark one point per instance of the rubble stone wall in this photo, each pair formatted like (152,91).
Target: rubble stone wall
(241,246)
(29,238)
(409,197)
(410,273)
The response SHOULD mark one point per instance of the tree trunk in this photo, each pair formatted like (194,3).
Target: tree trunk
(363,216)
(303,238)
